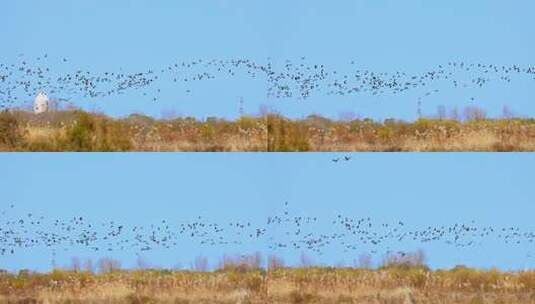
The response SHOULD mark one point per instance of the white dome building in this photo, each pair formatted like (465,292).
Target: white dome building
(40,104)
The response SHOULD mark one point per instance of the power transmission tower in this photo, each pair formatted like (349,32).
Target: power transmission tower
(241,107)
(419,109)
(53,262)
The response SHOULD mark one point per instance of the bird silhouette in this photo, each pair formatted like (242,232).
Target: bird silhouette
(25,77)
(285,230)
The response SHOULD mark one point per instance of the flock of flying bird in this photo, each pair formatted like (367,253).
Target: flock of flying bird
(281,231)
(21,81)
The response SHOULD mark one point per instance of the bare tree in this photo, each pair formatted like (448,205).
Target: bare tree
(365,261)
(305,260)
(474,113)
(200,264)
(169,114)
(75,264)
(266,110)
(141,263)
(107,265)
(53,105)
(340,264)
(241,262)
(256,260)
(454,114)
(405,259)
(507,113)
(88,266)
(419,257)
(347,116)
(275,262)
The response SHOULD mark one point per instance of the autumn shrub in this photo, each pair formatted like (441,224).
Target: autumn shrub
(298,297)
(11,132)
(285,135)
(527,280)
(284,285)
(475,279)
(94,133)
(82,131)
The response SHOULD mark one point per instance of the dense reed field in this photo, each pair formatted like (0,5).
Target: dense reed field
(401,285)
(82,131)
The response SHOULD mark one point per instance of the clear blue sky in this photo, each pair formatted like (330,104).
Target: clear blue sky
(142,189)
(384,36)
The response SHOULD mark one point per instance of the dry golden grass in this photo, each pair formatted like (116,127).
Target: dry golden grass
(81,131)
(400,285)
(285,285)
(135,287)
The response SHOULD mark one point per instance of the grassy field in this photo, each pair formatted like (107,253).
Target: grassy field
(401,285)
(82,131)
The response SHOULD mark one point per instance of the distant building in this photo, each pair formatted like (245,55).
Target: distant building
(41,103)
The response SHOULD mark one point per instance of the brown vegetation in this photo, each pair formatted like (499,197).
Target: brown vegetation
(82,131)
(399,285)
(241,279)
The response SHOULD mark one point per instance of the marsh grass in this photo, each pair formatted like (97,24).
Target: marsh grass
(242,279)
(82,131)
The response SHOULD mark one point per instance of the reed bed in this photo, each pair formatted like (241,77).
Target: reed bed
(82,131)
